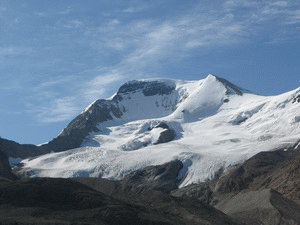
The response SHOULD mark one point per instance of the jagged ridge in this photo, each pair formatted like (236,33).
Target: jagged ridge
(104,110)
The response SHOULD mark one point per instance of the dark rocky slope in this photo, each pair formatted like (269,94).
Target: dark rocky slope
(79,128)
(63,201)
(278,170)
(142,200)
(16,150)
(161,178)
(263,190)
(245,192)
(5,169)
(265,206)
(150,188)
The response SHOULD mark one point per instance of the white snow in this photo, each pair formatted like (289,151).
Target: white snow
(212,134)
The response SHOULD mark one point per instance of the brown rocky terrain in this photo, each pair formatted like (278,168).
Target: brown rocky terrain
(263,190)
(278,170)
(67,201)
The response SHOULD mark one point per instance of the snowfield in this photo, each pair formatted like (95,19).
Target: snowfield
(217,125)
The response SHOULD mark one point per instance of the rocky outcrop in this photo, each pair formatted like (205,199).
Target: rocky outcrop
(16,150)
(231,88)
(166,135)
(265,206)
(296,99)
(5,169)
(161,177)
(201,192)
(149,88)
(79,128)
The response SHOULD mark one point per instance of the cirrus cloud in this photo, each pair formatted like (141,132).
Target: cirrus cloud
(136,46)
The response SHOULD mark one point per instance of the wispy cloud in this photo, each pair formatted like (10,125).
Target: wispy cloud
(2,9)
(232,23)
(101,84)
(50,103)
(114,22)
(136,46)
(150,40)
(74,24)
(265,11)
(66,11)
(40,13)
(58,110)
(15,51)
(48,100)
(135,9)
(280,3)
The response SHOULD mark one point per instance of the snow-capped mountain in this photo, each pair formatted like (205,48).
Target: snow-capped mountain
(209,125)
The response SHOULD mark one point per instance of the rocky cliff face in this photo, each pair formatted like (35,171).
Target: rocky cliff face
(101,111)
(16,150)
(79,128)
(148,88)
(162,177)
(5,169)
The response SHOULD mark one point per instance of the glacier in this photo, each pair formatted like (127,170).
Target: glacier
(217,125)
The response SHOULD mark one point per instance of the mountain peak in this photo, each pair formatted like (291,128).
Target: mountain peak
(208,124)
(231,88)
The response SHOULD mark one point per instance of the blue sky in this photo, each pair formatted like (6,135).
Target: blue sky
(56,57)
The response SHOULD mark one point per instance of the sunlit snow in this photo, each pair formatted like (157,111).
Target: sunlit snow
(215,130)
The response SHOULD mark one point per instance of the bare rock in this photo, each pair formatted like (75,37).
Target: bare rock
(160,177)
(265,206)
(5,169)
(201,191)
(166,135)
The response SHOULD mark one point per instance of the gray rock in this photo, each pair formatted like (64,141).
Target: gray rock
(265,206)
(296,99)
(231,87)
(201,191)
(161,177)
(16,150)
(79,128)
(165,136)
(5,169)
(148,88)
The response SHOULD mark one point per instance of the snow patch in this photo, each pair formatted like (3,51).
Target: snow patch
(245,115)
